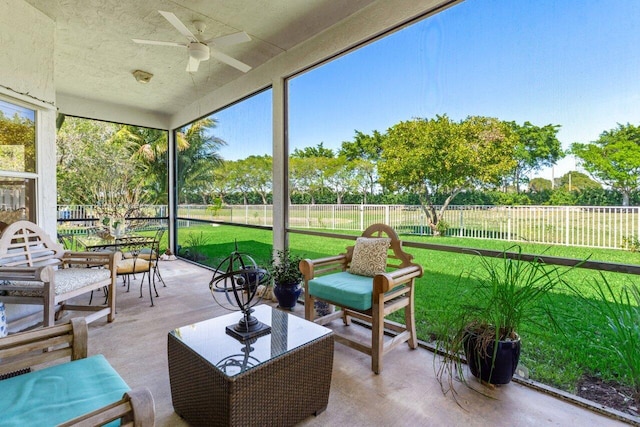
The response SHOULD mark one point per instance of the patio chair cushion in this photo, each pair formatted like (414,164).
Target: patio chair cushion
(132,265)
(59,393)
(369,256)
(66,280)
(145,253)
(344,289)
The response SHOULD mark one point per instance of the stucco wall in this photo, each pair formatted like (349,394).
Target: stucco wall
(27,39)
(26,57)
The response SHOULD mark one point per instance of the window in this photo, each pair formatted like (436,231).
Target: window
(111,170)
(17,163)
(224,176)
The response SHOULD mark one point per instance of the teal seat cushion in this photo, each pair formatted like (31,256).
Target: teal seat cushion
(59,393)
(345,289)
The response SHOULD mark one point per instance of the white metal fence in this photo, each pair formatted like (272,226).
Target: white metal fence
(74,218)
(591,226)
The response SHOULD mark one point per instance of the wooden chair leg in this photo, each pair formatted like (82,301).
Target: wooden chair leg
(111,298)
(410,321)
(346,319)
(49,310)
(377,336)
(309,311)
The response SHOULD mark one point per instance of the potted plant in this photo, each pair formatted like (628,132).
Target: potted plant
(503,294)
(287,278)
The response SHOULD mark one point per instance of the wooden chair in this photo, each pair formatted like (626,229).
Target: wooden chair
(36,270)
(369,299)
(58,355)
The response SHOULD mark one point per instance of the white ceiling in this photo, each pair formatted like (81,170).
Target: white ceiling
(95,57)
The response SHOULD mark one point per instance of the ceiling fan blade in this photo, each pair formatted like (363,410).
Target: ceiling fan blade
(229,40)
(192,65)
(173,20)
(159,43)
(230,61)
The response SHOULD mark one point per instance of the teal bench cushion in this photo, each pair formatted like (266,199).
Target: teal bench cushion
(59,393)
(349,290)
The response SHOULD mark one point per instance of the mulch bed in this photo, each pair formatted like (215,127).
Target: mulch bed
(608,393)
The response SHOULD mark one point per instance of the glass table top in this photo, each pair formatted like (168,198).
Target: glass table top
(232,356)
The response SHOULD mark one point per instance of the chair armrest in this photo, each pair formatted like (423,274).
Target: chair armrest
(384,282)
(309,267)
(136,408)
(27,349)
(41,274)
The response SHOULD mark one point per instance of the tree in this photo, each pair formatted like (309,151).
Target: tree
(253,174)
(339,177)
(148,148)
(576,181)
(92,170)
(308,175)
(614,159)
(431,156)
(85,160)
(365,148)
(17,143)
(538,185)
(536,147)
(222,184)
(262,175)
(309,152)
(197,160)
(365,176)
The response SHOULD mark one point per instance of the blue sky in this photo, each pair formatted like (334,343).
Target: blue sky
(574,63)
(10,110)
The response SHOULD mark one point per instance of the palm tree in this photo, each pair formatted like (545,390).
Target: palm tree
(198,157)
(148,150)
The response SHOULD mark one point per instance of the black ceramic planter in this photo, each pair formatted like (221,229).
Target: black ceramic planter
(498,370)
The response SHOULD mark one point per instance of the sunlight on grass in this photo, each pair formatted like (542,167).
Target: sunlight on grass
(558,359)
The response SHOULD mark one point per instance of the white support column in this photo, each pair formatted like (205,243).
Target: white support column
(280,166)
(172,193)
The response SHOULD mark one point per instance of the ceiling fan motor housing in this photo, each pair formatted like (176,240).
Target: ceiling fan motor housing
(198,51)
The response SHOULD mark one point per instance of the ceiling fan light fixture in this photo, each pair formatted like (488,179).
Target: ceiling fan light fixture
(142,76)
(199,51)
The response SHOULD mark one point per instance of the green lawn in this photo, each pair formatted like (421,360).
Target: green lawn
(557,358)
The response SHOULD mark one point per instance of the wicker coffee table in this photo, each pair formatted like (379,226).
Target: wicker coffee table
(277,379)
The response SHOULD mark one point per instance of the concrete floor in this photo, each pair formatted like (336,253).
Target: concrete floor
(405,393)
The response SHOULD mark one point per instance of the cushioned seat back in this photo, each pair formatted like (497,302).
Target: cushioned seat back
(59,393)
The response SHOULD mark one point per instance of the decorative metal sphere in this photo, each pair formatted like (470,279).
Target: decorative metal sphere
(235,282)
(234,286)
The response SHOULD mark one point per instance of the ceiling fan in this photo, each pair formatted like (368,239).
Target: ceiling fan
(202,50)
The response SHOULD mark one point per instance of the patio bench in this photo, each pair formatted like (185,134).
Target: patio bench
(36,270)
(85,391)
